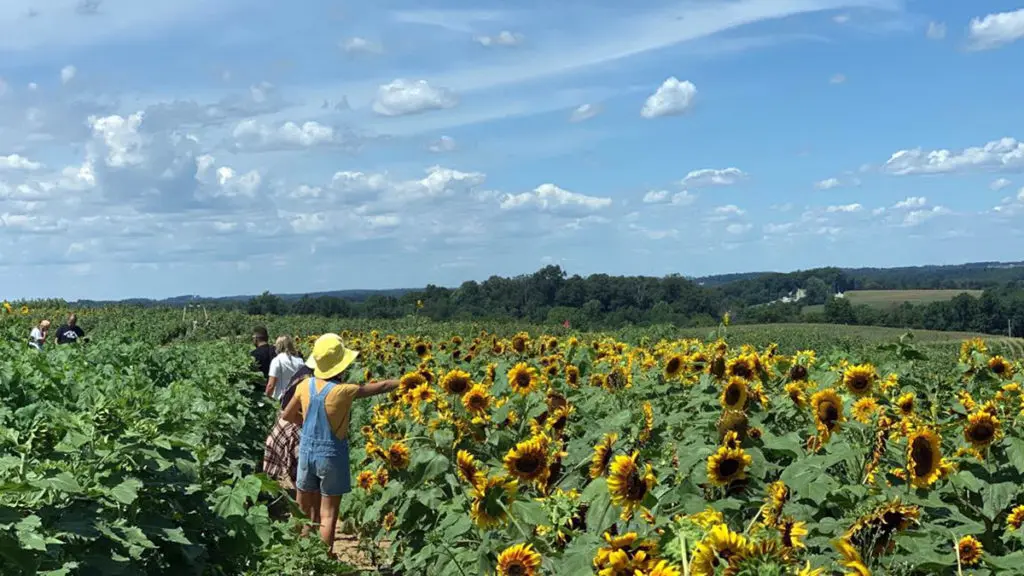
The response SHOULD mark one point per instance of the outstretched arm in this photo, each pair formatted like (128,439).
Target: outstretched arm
(375,388)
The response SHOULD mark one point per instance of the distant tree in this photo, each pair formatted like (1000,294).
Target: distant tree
(266,303)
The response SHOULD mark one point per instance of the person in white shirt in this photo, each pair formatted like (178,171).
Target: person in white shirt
(283,366)
(37,338)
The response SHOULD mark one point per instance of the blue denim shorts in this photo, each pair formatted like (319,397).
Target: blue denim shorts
(330,476)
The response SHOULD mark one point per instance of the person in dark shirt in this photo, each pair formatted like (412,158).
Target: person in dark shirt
(70,332)
(264,353)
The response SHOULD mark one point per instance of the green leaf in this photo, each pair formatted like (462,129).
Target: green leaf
(462,525)
(176,535)
(63,482)
(126,492)
(65,570)
(594,489)
(531,512)
(998,497)
(1015,452)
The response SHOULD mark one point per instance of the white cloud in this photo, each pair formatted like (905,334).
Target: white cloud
(503,38)
(67,74)
(443,144)
(845,208)
(916,217)
(357,44)
(729,210)
(936,31)
(911,202)
(16,162)
(683,198)
(1002,154)
(837,79)
(996,30)
(841,18)
(998,184)
(404,97)
(778,228)
(120,135)
(584,112)
(671,98)
(253,135)
(738,228)
(551,197)
(713,177)
(827,184)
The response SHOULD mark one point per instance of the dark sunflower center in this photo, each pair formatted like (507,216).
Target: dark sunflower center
(573,377)
(518,345)
(922,457)
(528,464)
(421,350)
(729,467)
(798,372)
(478,402)
(982,432)
(458,385)
(742,370)
(998,367)
(636,488)
(787,535)
(523,380)
(859,382)
(516,570)
(733,394)
(673,365)
(828,413)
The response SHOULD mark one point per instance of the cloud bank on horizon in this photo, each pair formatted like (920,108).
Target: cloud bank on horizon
(224,147)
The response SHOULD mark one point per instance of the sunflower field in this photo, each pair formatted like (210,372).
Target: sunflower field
(519,454)
(571,456)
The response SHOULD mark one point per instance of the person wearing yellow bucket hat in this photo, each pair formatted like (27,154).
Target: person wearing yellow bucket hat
(322,406)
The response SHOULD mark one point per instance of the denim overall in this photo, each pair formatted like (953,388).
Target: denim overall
(323,457)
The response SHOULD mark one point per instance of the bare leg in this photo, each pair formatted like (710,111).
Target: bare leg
(329,519)
(309,503)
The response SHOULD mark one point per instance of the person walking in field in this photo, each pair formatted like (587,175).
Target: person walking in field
(281,449)
(283,367)
(263,352)
(322,406)
(37,338)
(70,332)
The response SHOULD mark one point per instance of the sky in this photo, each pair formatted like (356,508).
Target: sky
(221,147)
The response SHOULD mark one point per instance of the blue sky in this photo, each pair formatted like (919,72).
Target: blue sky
(226,146)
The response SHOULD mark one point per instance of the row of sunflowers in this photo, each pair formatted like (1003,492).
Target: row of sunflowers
(527,456)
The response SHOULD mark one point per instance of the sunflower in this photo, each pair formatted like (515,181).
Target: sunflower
(718,548)
(422,393)
(808,571)
(727,465)
(382,477)
(969,550)
(877,528)
(627,484)
(24,310)
(906,403)
(617,379)
(743,366)
(864,409)
(477,400)
(522,378)
(624,555)
(389,521)
(778,495)
(1000,367)
(519,342)
(764,557)
(519,560)
(528,460)
(828,411)
(733,421)
(8,308)
(422,349)
(410,382)
(734,395)
(491,499)
(852,559)
(603,453)
(792,532)
(645,432)
(797,394)
(674,367)
(1016,519)
(798,373)
(924,457)
(468,470)
(572,375)
(456,382)
(663,568)
(860,379)
(981,429)
(707,518)
(398,456)
(366,479)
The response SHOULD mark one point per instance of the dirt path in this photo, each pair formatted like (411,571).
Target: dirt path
(346,547)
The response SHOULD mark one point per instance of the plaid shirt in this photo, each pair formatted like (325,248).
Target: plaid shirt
(281,456)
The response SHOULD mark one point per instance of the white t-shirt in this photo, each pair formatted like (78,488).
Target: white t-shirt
(283,367)
(36,337)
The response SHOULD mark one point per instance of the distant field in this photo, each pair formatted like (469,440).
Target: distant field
(791,337)
(890,298)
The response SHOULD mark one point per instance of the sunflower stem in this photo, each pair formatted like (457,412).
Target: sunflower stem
(752,522)
(509,515)
(682,549)
(959,565)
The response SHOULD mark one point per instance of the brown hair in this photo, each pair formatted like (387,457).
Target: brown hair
(285,344)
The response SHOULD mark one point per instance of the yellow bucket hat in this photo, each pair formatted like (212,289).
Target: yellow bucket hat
(330,357)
